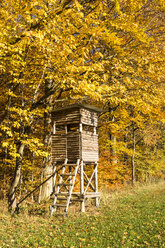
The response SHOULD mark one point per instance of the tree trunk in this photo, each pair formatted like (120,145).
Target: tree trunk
(112,138)
(17,175)
(133,156)
(47,188)
(125,142)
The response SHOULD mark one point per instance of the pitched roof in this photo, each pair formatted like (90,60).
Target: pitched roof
(86,106)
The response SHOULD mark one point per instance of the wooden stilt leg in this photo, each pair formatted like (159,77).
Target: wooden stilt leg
(82,186)
(96,185)
(54,178)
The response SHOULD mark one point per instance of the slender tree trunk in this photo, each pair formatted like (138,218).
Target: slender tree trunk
(125,142)
(114,155)
(5,169)
(32,179)
(7,116)
(112,138)
(17,175)
(47,187)
(40,191)
(133,155)
(32,175)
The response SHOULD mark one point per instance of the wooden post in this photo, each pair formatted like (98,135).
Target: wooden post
(96,184)
(54,178)
(82,186)
(66,148)
(54,128)
(80,127)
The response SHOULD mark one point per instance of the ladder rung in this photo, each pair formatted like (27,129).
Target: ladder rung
(62,165)
(79,200)
(65,184)
(67,174)
(69,164)
(60,194)
(59,205)
(62,198)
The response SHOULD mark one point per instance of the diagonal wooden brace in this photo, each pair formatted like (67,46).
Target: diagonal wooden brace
(89,182)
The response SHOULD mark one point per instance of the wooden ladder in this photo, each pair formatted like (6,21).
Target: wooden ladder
(66,182)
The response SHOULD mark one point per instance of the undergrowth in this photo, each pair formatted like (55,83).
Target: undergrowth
(133,217)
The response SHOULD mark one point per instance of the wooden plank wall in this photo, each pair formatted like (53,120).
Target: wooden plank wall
(67,116)
(89,147)
(89,140)
(58,149)
(89,117)
(73,146)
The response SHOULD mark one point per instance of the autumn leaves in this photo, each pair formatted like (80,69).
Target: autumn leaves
(108,53)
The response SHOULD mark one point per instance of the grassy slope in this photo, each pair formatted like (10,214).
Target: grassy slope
(130,218)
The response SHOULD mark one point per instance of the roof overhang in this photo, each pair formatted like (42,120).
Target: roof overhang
(85,106)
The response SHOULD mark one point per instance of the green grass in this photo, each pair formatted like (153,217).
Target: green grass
(127,218)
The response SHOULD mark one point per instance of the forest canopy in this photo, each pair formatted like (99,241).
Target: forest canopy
(106,53)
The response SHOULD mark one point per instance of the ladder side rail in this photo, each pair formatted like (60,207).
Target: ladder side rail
(54,178)
(97,201)
(82,186)
(71,189)
(60,181)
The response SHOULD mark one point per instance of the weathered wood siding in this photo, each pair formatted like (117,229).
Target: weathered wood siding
(68,141)
(68,116)
(89,146)
(59,146)
(89,117)
(73,146)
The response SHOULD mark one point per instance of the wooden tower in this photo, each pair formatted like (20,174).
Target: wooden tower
(75,155)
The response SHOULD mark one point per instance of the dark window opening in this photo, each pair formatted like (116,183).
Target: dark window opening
(73,128)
